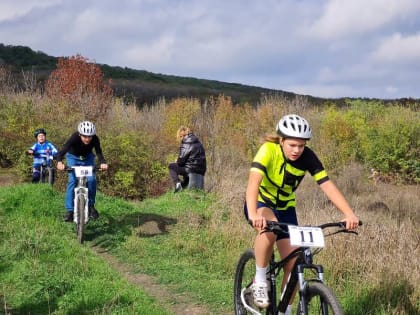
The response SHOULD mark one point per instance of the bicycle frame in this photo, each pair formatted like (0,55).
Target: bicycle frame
(296,278)
(313,293)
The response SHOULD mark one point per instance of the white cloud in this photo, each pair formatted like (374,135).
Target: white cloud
(398,49)
(147,53)
(359,17)
(11,9)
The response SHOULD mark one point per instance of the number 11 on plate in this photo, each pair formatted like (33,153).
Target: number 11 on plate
(306,236)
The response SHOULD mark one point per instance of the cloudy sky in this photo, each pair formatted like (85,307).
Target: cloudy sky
(326,48)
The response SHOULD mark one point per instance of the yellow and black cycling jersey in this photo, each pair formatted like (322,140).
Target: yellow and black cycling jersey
(281,177)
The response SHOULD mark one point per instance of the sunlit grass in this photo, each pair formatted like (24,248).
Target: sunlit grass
(190,243)
(43,268)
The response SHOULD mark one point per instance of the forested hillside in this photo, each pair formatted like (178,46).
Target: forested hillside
(141,86)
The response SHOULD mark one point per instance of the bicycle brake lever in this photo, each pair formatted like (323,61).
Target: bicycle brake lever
(273,228)
(351,232)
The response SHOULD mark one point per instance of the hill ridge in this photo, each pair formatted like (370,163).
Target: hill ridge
(140,85)
(145,87)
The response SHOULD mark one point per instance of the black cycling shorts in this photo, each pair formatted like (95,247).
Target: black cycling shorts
(284,216)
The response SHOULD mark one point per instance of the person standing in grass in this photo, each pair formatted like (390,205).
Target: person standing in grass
(78,151)
(191,158)
(43,152)
(276,172)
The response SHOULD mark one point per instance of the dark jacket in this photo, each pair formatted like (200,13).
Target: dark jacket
(75,146)
(192,155)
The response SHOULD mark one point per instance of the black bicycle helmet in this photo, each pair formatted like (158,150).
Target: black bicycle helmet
(38,131)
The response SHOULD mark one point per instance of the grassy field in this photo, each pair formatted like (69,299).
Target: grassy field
(188,243)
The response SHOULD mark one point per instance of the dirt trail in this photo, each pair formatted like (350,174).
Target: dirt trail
(176,303)
(7,179)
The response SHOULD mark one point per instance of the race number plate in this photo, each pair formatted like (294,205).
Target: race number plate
(81,171)
(306,236)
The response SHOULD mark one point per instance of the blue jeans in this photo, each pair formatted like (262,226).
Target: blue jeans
(73,160)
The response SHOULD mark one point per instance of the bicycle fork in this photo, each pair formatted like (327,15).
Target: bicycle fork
(303,284)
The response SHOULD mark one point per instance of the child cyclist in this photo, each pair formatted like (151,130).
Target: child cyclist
(78,151)
(276,172)
(43,153)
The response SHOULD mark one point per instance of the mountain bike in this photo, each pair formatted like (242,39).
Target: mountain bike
(314,296)
(81,198)
(46,170)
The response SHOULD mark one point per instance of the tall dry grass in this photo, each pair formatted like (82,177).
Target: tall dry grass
(381,262)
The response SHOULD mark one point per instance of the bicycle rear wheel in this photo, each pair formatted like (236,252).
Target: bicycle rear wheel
(320,300)
(81,203)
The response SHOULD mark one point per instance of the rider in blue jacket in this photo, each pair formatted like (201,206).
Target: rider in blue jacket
(43,152)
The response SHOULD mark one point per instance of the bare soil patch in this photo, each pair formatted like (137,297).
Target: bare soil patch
(7,178)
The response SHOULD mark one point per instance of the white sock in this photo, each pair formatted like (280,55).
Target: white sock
(260,274)
(288,310)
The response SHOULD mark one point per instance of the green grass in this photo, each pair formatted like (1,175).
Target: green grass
(188,242)
(45,271)
(170,239)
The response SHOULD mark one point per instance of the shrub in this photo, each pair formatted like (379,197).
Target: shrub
(81,83)
(135,171)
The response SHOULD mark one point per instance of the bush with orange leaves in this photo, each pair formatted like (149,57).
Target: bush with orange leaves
(80,83)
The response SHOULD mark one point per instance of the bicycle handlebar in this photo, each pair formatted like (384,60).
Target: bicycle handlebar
(43,155)
(71,168)
(277,227)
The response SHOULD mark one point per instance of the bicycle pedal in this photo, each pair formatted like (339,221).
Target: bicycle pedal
(247,299)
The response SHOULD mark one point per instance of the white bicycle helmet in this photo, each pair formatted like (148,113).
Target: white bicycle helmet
(86,128)
(294,126)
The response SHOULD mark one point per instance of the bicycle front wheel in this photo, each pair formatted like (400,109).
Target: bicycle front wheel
(320,300)
(81,203)
(244,277)
(51,175)
(43,173)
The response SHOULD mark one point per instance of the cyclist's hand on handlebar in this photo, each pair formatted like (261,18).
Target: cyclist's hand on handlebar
(352,222)
(258,221)
(103,166)
(60,166)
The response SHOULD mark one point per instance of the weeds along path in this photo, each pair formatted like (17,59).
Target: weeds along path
(7,178)
(176,303)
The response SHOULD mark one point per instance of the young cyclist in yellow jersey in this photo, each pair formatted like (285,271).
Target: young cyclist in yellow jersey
(276,172)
